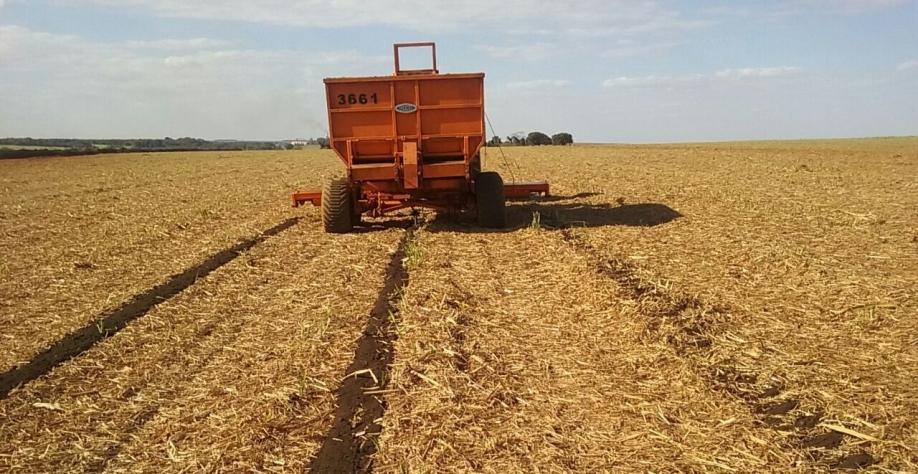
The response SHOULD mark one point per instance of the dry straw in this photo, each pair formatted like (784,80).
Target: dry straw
(731,307)
(81,235)
(236,373)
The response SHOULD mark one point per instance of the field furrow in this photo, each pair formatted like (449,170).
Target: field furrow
(82,235)
(515,354)
(806,252)
(237,372)
(110,323)
(727,307)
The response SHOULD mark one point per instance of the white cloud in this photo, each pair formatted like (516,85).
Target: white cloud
(538,84)
(626,47)
(528,52)
(907,65)
(749,72)
(652,81)
(779,9)
(179,43)
(168,87)
(850,6)
(530,17)
(740,74)
(529,30)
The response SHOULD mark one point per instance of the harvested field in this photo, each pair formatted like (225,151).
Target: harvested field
(81,235)
(740,307)
(807,251)
(239,372)
(514,355)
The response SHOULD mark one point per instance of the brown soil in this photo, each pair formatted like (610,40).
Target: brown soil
(352,440)
(109,324)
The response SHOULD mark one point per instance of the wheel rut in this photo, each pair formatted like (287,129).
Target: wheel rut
(108,324)
(696,324)
(352,439)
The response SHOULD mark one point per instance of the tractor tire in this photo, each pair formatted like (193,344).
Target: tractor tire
(337,206)
(356,216)
(489,196)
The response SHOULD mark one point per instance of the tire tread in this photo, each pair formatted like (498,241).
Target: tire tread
(336,206)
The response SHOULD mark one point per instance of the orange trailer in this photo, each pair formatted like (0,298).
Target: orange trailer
(412,139)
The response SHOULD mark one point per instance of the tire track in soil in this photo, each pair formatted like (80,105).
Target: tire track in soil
(351,441)
(110,323)
(144,397)
(694,339)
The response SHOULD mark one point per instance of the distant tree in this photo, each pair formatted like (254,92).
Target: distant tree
(562,138)
(517,138)
(494,141)
(538,138)
(323,142)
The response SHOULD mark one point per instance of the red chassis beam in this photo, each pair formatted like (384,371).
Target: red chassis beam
(511,191)
(525,189)
(302,198)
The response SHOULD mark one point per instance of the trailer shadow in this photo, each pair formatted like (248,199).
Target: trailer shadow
(559,212)
(556,198)
(375,225)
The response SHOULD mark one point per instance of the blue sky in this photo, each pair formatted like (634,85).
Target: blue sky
(606,71)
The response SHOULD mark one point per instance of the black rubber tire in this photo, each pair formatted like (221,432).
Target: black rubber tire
(337,206)
(475,167)
(489,196)
(356,216)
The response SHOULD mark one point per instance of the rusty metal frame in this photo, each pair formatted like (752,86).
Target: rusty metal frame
(433,53)
(525,189)
(314,197)
(377,203)
(409,181)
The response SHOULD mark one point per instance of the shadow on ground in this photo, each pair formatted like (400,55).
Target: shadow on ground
(375,225)
(559,212)
(554,198)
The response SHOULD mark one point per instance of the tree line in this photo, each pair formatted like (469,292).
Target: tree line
(29,147)
(532,139)
(167,143)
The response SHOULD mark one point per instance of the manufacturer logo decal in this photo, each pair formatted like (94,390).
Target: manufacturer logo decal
(406,108)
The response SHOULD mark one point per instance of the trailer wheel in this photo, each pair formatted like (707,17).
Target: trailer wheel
(337,208)
(489,196)
(356,215)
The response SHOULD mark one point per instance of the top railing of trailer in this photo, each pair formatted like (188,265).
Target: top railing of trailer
(407,72)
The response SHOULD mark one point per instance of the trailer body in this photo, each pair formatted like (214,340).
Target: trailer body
(412,139)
